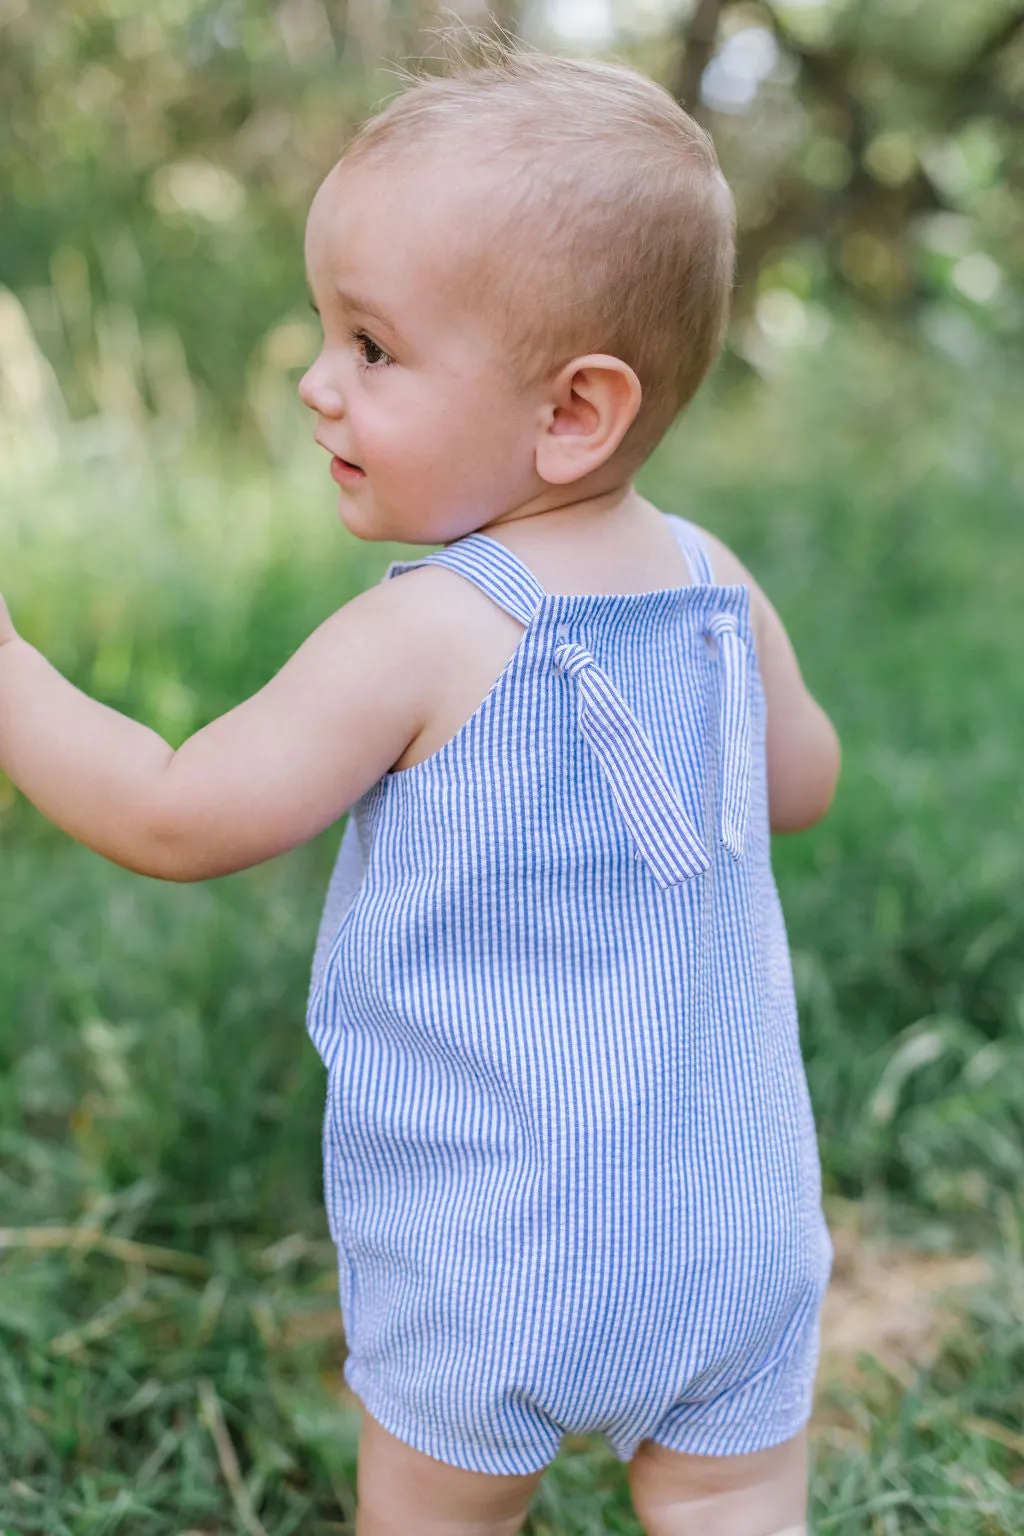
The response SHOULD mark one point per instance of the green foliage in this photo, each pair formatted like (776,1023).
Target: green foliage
(157,162)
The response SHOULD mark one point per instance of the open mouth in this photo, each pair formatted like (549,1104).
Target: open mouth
(345,472)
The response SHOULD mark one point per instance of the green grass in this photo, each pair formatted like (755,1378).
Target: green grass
(155,1084)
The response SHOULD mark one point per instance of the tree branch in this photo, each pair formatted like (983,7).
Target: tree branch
(699,37)
(1000,38)
(817,64)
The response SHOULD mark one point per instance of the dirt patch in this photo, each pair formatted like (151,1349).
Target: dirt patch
(888,1300)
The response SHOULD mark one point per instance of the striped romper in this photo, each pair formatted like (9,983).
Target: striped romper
(570,1163)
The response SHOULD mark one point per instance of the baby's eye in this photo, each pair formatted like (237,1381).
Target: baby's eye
(374,356)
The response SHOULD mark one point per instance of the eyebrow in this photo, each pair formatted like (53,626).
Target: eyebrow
(361,305)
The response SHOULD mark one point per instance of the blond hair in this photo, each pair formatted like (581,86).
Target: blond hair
(613,227)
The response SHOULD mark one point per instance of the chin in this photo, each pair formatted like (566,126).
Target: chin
(357,521)
(374,526)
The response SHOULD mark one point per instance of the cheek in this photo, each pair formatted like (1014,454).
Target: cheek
(478,420)
(406,426)
(426,429)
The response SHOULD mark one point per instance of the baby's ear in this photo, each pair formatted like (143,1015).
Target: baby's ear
(591,405)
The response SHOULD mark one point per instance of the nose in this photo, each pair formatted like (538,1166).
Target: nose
(318,393)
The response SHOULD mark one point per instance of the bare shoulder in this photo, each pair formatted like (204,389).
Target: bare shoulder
(421,608)
(729,569)
(727,566)
(433,608)
(417,639)
(438,645)
(433,589)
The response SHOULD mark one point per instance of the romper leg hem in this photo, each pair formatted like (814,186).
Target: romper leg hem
(743,1437)
(758,1415)
(464,1455)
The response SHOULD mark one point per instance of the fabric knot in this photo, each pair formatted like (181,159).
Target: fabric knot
(733,731)
(571,659)
(648,802)
(721,624)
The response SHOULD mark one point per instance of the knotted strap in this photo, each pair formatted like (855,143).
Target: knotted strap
(649,804)
(662,831)
(491,567)
(733,732)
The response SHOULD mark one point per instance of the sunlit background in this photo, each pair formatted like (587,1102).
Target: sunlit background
(170,1351)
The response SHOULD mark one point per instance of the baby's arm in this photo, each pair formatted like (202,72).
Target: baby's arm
(266,776)
(802,746)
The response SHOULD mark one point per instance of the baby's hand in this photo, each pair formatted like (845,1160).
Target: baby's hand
(7,629)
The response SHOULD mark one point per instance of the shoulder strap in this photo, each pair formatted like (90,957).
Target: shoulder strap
(491,567)
(692,546)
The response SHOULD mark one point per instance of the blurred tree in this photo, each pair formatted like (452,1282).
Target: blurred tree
(847,127)
(156,163)
(157,158)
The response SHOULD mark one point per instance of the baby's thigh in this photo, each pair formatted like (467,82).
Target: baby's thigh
(763,1494)
(404,1493)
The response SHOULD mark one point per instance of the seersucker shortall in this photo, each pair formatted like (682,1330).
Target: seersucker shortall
(570,1163)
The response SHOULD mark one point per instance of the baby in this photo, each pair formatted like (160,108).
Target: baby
(570,1164)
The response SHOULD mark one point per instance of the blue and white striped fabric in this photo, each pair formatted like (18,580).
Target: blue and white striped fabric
(570,1163)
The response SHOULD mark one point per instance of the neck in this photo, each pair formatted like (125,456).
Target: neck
(562,508)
